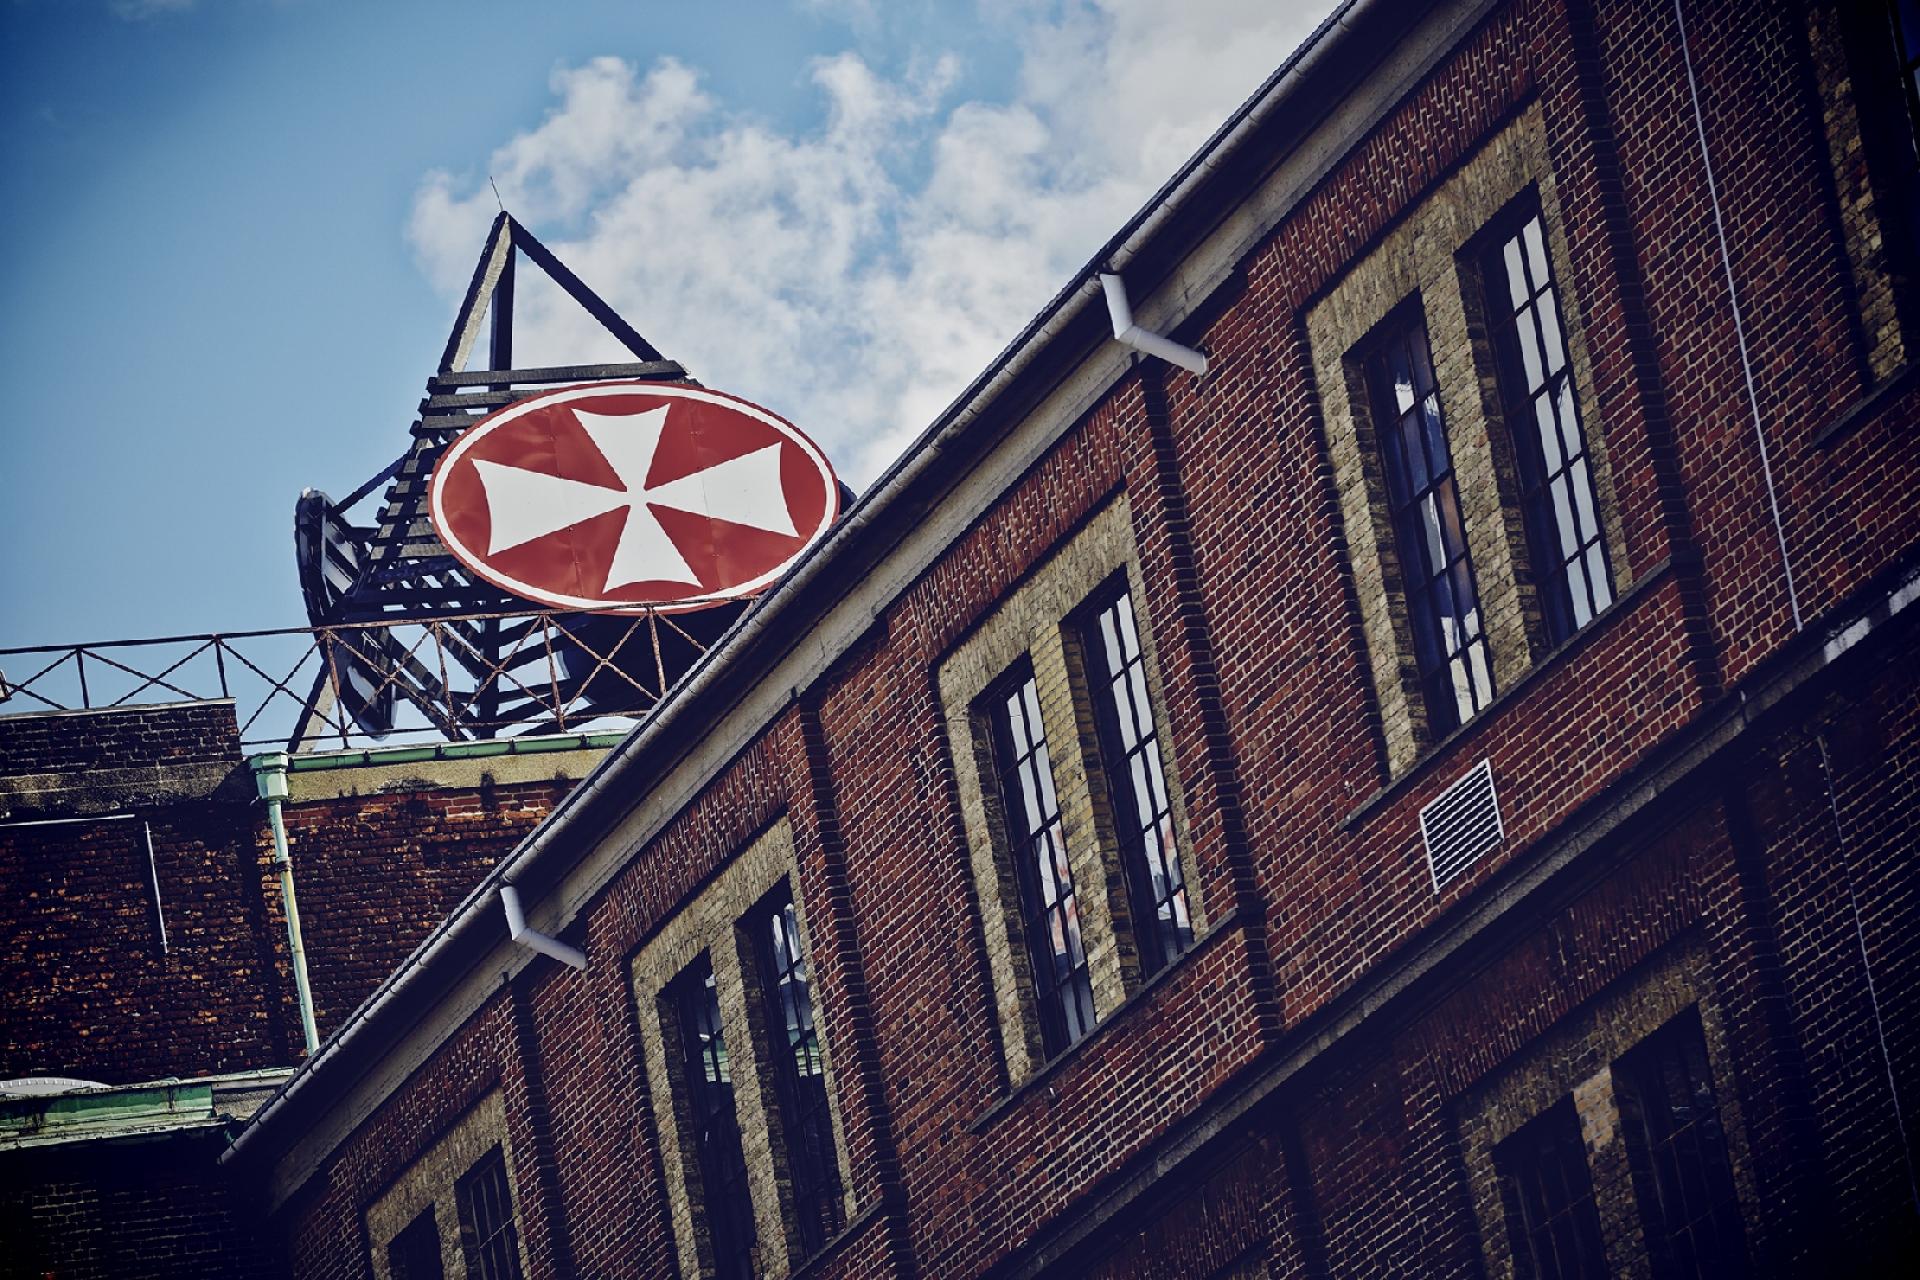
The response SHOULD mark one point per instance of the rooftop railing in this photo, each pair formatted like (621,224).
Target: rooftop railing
(444,679)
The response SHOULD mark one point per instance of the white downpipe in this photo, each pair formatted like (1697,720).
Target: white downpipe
(533,939)
(1126,331)
(1739,323)
(270,776)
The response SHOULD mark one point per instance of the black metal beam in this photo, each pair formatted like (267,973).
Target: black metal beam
(576,289)
(649,369)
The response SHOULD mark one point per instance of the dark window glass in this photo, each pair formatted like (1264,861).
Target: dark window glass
(1547,1195)
(1556,475)
(487,1233)
(1049,913)
(716,1126)
(414,1254)
(800,1073)
(1130,755)
(1677,1150)
(1904,16)
(1443,597)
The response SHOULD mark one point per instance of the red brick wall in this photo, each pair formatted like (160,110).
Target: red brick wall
(84,983)
(1296,828)
(89,992)
(1848,890)
(77,746)
(105,1211)
(376,872)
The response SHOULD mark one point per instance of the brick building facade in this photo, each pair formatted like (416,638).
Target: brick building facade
(1432,795)
(145,962)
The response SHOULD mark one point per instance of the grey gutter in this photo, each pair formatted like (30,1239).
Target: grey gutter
(474,918)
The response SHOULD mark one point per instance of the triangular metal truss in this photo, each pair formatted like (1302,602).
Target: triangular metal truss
(376,578)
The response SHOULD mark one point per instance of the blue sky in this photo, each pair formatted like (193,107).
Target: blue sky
(233,233)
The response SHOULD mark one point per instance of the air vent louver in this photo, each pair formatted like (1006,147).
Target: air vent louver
(1460,824)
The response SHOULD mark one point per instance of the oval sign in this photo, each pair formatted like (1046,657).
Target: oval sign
(622,497)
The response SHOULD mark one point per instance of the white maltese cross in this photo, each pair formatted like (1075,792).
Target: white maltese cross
(524,505)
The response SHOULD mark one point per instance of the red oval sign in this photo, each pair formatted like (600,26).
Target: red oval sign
(625,496)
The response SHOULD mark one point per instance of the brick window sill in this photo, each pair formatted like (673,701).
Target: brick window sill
(821,1260)
(1863,409)
(1553,660)
(1125,1011)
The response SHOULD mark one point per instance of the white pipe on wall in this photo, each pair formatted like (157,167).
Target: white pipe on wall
(153,877)
(1739,324)
(533,939)
(1126,331)
(270,776)
(153,863)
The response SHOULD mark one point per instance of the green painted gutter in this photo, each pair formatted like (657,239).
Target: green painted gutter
(316,762)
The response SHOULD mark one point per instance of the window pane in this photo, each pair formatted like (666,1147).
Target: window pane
(414,1254)
(1560,507)
(1438,456)
(1563,517)
(1063,987)
(1536,252)
(1130,758)
(1529,347)
(1030,699)
(1144,800)
(1597,578)
(1436,549)
(1159,781)
(1550,338)
(1041,769)
(1439,581)
(1401,376)
(1547,1195)
(799,1075)
(708,1078)
(1453,533)
(1582,609)
(488,1236)
(1110,634)
(1415,452)
(1549,433)
(1477,663)
(1422,366)
(1582,487)
(1569,421)
(1516,273)
(1677,1151)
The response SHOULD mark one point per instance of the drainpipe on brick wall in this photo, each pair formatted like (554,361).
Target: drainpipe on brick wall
(1739,324)
(270,776)
(533,939)
(1866,965)
(1126,332)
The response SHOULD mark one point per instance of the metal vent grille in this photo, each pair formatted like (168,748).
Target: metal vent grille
(1460,824)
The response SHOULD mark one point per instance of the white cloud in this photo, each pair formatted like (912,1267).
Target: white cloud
(856,275)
